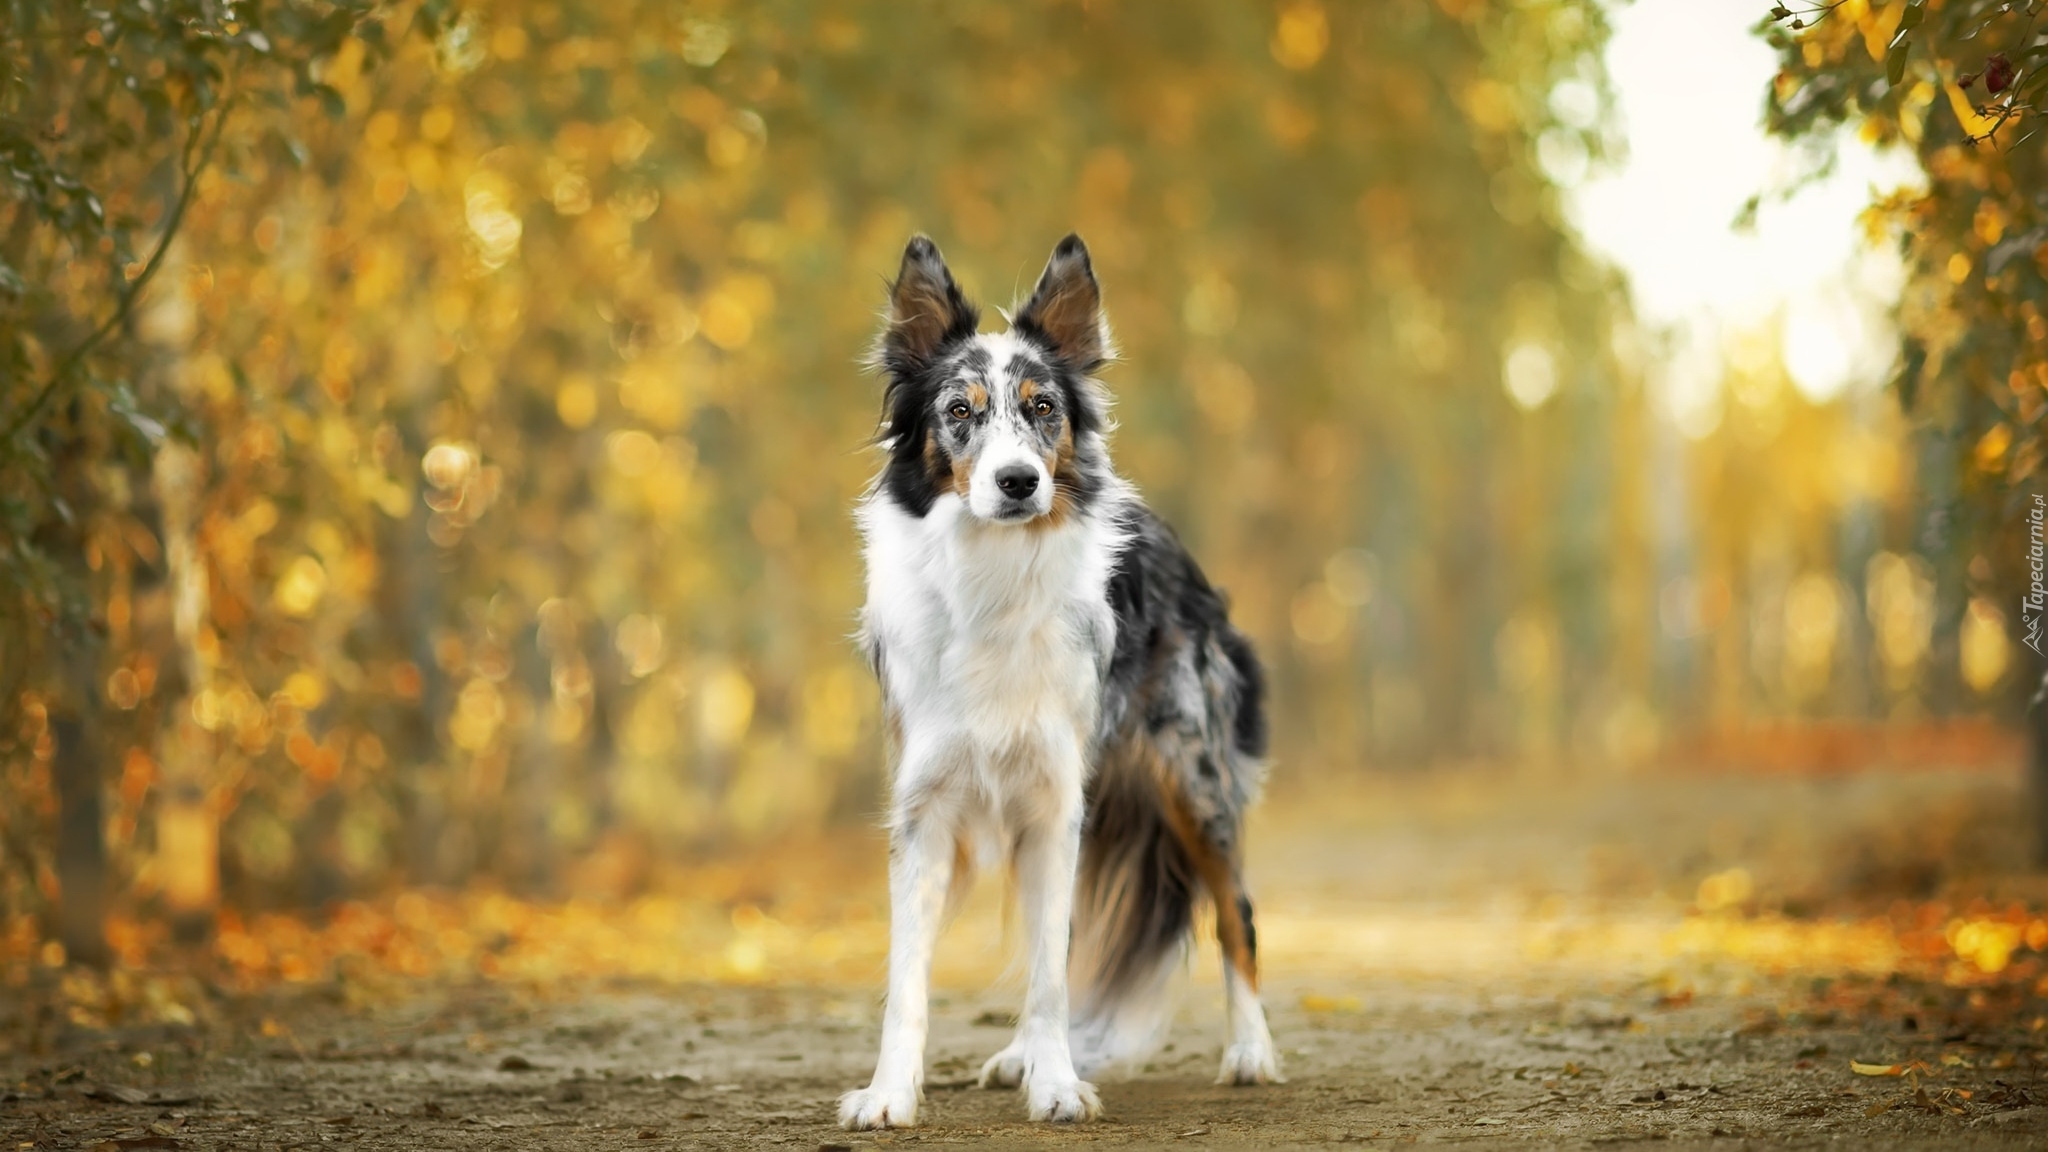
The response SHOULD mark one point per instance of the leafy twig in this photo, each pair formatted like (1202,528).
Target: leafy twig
(1798,17)
(198,154)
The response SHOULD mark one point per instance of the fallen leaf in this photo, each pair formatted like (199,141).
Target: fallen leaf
(515,1063)
(1862,1069)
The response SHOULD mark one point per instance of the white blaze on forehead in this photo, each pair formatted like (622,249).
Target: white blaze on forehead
(1007,354)
(1007,442)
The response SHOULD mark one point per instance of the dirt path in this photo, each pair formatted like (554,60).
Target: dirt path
(719,1067)
(1540,985)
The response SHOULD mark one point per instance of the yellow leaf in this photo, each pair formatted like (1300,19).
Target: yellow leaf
(1862,1069)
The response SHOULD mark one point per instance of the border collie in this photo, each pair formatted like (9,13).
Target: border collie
(1062,688)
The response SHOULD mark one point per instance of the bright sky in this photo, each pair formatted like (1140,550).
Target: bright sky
(1691,78)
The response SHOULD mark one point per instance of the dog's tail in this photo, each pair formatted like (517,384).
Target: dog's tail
(1133,908)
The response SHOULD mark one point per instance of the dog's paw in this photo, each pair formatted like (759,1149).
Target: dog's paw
(1005,1069)
(878,1106)
(1250,1062)
(1068,1101)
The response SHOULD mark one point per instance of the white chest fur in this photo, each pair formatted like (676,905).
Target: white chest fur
(992,636)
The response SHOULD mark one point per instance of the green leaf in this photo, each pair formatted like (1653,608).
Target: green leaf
(1915,12)
(148,427)
(1895,63)
(293,148)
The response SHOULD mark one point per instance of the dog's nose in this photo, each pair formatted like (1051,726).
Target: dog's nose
(1017,482)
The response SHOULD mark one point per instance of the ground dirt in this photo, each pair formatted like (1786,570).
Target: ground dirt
(1517,962)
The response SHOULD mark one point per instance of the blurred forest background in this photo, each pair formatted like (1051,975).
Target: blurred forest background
(428,430)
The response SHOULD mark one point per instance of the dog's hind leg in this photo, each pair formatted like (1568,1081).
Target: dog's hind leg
(1212,844)
(1249,1057)
(922,854)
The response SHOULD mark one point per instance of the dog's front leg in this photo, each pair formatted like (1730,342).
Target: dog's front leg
(1047,852)
(920,872)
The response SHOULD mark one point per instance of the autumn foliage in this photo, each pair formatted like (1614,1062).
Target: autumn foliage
(456,498)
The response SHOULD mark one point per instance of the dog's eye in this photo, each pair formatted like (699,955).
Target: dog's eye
(1043,407)
(960,411)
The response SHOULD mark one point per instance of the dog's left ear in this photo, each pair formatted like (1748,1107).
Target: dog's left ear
(1065,311)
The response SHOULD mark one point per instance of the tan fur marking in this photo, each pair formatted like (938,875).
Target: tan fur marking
(1059,464)
(962,477)
(1027,389)
(977,395)
(953,480)
(1219,876)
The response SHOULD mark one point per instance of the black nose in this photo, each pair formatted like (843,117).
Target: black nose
(1017,482)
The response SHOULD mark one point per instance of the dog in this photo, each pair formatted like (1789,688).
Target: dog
(1061,685)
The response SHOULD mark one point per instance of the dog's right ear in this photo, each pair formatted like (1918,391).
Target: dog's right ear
(927,310)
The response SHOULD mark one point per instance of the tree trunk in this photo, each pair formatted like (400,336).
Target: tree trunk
(81,844)
(187,822)
(408,604)
(76,723)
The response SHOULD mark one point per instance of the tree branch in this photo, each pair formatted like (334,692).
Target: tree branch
(197,155)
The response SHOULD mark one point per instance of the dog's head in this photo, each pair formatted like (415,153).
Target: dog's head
(1011,423)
